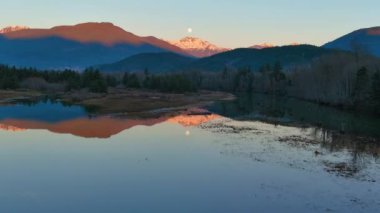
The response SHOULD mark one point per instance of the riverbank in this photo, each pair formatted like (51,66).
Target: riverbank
(11,96)
(121,101)
(132,101)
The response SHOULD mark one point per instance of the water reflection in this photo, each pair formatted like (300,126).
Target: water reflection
(59,118)
(344,155)
(242,152)
(288,111)
(239,118)
(325,131)
(46,110)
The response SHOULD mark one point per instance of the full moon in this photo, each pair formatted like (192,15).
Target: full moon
(189,30)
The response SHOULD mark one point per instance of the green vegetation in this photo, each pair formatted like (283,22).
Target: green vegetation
(340,79)
(14,78)
(375,91)
(94,81)
(131,80)
(91,79)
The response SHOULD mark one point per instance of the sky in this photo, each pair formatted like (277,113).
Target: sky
(227,23)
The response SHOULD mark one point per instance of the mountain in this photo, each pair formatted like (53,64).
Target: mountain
(13,29)
(366,40)
(75,46)
(255,58)
(262,46)
(154,62)
(234,59)
(101,127)
(268,45)
(198,47)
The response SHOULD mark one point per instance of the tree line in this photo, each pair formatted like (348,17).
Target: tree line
(346,80)
(341,79)
(91,79)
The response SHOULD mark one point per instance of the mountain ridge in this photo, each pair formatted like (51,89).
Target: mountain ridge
(365,40)
(233,59)
(13,29)
(153,62)
(76,46)
(198,47)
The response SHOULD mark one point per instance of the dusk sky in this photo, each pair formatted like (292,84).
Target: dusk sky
(237,23)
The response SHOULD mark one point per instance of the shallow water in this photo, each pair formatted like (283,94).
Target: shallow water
(64,160)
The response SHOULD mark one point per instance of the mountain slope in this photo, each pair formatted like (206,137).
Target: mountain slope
(13,29)
(254,58)
(75,46)
(198,47)
(234,59)
(262,46)
(154,62)
(366,40)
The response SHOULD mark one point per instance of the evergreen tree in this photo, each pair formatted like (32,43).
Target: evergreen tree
(131,81)
(375,91)
(111,81)
(147,78)
(98,86)
(361,84)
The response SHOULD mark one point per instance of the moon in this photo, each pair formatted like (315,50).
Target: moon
(189,30)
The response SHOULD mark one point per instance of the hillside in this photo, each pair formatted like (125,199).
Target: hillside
(254,58)
(75,46)
(364,40)
(198,47)
(234,59)
(154,62)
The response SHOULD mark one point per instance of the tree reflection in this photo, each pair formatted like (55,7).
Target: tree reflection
(362,151)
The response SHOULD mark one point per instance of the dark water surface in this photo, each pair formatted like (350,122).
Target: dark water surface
(254,154)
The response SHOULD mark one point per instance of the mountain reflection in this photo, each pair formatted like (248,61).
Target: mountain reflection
(102,127)
(297,133)
(10,128)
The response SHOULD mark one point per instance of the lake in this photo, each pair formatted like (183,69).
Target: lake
(254,154)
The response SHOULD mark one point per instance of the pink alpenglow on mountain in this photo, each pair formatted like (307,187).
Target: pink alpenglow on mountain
(268,45)
(198,47)
(92,32)
(13,29)
(262,46)
(375,31)
(77,46)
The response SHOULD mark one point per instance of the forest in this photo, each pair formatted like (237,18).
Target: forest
(343,80)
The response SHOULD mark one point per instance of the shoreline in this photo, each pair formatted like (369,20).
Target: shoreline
(121,101)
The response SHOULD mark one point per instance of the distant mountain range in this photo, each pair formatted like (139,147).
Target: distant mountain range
(76,46)
(12,29)
(100,127)
(111,48)
(364,40)
(154,62)
(255,58)
(198,47)
(262,46)
(234,59)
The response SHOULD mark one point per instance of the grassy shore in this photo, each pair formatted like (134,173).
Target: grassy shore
(137,101)
(11,96)
(121,101)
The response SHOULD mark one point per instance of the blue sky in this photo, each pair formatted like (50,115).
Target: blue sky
(229,23)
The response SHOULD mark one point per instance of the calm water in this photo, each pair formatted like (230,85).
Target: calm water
(249,155)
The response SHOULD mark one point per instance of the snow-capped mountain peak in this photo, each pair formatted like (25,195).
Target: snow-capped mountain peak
(198,47)
(13,29)
(262,46)
(269,45)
